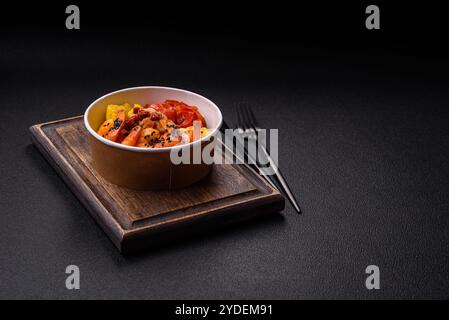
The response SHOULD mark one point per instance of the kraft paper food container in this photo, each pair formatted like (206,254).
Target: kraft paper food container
(146,168)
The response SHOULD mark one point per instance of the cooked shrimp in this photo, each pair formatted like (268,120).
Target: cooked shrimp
(133,136)
(147,137)
(119,123)
(168,140)
(147,123)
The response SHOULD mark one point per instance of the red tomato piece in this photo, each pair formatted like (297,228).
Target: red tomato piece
(170,112)
(185,118)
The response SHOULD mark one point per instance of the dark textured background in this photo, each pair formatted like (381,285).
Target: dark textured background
(364,143)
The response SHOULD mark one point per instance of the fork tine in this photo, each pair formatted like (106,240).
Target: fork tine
(243,113)
(244,116)
(248,117)
(239,117)
(251,118)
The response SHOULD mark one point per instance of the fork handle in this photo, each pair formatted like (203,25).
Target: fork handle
(280,177)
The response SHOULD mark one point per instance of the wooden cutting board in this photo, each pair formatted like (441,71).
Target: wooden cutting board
(137,219)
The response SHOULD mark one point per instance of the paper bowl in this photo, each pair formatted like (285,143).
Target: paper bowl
(146,168)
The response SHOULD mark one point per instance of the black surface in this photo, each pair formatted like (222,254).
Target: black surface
(363,127)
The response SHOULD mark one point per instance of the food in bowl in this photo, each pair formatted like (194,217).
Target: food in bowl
(148,168)
(157,125)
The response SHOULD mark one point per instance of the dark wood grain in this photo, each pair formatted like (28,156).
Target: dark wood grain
(134,219)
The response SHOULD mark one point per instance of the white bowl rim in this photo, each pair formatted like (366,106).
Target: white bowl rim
(138,149)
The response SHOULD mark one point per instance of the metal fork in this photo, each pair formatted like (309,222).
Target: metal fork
(247,123)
